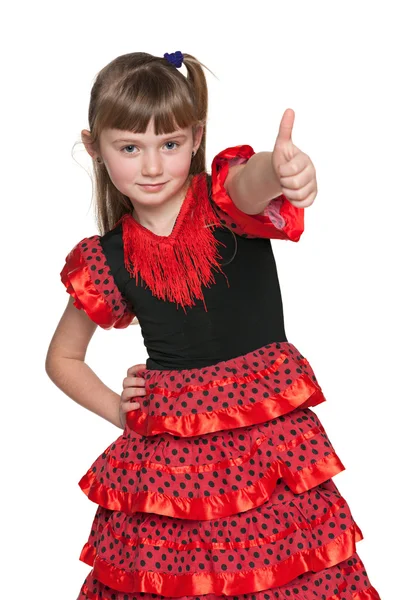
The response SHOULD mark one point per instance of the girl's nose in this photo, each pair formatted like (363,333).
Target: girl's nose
(152,165)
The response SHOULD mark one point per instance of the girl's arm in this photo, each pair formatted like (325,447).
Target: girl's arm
(66,367)
(254,184)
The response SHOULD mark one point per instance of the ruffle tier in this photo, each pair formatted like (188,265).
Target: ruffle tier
(218,475)
(253,388)
(250,551)
(347,580)
(221,486)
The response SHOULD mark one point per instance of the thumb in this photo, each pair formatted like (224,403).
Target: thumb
(286,126)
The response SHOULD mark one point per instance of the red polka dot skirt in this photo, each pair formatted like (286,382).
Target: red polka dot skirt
(220,486)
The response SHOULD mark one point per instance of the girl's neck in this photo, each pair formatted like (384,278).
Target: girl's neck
(161,219)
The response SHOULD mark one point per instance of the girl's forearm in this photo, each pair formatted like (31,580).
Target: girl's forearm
(77,380)
(256,184)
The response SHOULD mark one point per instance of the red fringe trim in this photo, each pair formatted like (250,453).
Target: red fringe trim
(211,507)
(302,392)
(182,262)
(223,583)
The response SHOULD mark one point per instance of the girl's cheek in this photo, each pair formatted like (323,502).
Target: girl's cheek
(180,169)
(122,175)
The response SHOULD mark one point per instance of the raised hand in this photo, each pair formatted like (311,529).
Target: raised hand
(293,168)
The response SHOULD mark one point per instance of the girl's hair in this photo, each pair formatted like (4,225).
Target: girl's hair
(126,94)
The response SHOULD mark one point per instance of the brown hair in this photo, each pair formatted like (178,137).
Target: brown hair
(126,94)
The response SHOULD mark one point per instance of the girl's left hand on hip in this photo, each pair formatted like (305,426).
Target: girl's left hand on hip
(293,168)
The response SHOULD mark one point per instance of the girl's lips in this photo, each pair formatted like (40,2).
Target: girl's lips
(152,188)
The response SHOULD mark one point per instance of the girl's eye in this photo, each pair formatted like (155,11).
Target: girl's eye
(175,143)
(130,146)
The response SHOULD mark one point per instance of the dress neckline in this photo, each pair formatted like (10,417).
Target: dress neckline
(176,267)
(183,211)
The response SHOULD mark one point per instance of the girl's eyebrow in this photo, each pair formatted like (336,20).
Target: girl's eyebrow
(165,137)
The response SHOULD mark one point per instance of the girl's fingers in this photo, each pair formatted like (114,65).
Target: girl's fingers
(301,197)
(296,164)
(129,393)
(298,181)
(132,387)
(135,369)
(128,403)
(128,406)
(133,382)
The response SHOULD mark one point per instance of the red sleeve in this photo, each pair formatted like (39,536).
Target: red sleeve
(280,219)
(87,277)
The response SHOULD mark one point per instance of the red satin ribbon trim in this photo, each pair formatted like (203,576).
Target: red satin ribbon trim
(239,379)
(222,464)
(299,439)
(211,507)
(227,380)
(257,225)
(302,392)
(222,583)
(76,278)
(347,570)
(320,471)
(368,594)
(88,552)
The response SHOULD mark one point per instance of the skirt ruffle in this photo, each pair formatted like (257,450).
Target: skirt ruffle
(345,581)
(220,485)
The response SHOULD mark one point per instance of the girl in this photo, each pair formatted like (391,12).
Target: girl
(220,484)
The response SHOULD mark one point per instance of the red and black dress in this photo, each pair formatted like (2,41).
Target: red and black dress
(220,484)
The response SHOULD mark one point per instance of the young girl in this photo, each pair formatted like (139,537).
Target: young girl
(220,484)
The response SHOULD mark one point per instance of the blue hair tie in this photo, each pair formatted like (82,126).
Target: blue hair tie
(176,58)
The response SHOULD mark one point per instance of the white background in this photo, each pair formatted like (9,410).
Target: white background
(336,65)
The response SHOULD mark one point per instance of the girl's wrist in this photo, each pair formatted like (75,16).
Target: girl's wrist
(115,416)
(121,424)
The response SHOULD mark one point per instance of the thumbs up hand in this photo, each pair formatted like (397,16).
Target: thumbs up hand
(293,168)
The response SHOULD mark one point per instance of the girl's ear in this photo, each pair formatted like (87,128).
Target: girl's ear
(198,134)
(88,143)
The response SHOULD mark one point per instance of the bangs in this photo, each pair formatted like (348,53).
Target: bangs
(146,94)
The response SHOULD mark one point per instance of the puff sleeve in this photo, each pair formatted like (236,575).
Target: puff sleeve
(88,279)
(280,220)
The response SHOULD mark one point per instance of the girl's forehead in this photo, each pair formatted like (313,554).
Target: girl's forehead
(112,134)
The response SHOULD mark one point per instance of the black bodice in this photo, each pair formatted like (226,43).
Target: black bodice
(240,318)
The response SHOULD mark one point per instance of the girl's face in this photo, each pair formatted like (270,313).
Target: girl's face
(150,169)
